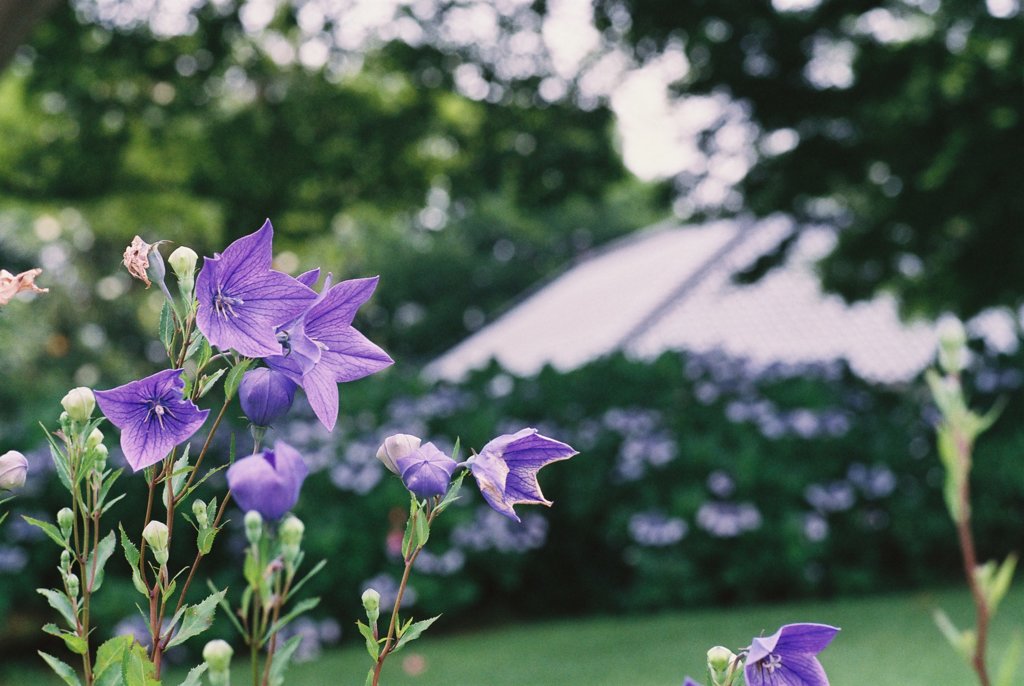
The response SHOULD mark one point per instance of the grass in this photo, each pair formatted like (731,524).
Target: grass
(885,641)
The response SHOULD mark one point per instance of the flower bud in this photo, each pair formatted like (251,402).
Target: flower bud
(65,561)
(291,531)
(395,447)
(73,584)
(95,439)
(157,536)
(217,655)
(722,666)
(266,395)
(79,403)
(253,526)
(66,522)
(101,457)
(200,513)
(13,470)
(426,471)
(183,262)
(952,345)
(371,603)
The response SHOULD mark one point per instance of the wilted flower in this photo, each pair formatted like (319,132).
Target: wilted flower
(268,482)
(12,284)
(266,395)
(153,416)
(325,350)
(79,403)
(241,299)
(394,447)
(426,471)
(506,469)
(136,259)
(13,470)
(788,657)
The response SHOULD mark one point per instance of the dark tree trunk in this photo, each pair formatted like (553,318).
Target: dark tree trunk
(17,19)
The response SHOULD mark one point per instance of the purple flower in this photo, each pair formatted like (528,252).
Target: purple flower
(506,469)
(325,350)
(241,299)
(153,416)
(689,682)
(266,395)
(788,657)
(268,482)
(426,471)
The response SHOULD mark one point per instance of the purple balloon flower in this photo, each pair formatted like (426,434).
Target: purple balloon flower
(426,471)
(690,682)
(153,416)
(325,350)
(266,395)
(788,657)
(241,299)
(268,482)
(506,469)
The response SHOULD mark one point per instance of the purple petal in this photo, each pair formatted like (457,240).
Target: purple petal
(350,355)
(799,669)
(268,482)
(793,638)
(426,471)
(338,307)
(689,682)
(491,474)
(322,393)
(309,278)
(525,453)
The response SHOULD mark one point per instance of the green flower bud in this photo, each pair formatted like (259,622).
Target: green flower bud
(66,522)
(73,585)
(94,440)
(217,655)
(101,457)
(291,531)
(157,536)
(183,262)
(952,346)
(65,561)
(722,666)
(79,403)
(200,513)
(371,603)
(253,526)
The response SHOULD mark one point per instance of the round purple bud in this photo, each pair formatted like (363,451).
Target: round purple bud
(266,395)
(268,482)
(426,471)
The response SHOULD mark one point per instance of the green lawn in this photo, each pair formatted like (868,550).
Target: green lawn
(885,641)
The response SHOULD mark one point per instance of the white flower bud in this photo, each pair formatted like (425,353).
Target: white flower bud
(13,470)
(217,654)
(371,603)
(79,403)
(952,345)
(157,536)
(395,447)
(253,526)
(199,511)
(183,262)
(95,439)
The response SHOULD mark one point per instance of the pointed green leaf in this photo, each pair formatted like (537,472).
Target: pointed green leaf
(63,670)
(195,676)
(59,602)
(300,607)
(414,631)
(197,619)
(166,327)
(453,492)
(98,559)
(369,677)
(208,381)
(372,647)
(282,658)
(136,668)
(49,529)
(107,669)
(1010,662)
(234,378)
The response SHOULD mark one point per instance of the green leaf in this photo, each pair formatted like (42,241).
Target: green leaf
(60,460)
(372,647)
(300,607)
(49,529)
(963,642)
(201,346)
(107,669)
(99,558)
(282,659)
(131,553)
(369,677)
(207,382)
(995,582)
(197,619)
(224,605)
(59,602)
(75,643)
(195,676)
(136,669)
(178,475)
(166,327)
(410,527)
(414,632)
(1010,662)
(64,671)
(309,575)
(235,378)
(453,492)
(204,541)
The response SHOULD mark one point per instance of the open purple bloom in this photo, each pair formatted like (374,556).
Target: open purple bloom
(426,471)
(323,349)
(266,395)
(242,300)
(506,469)
(153,416)
(789,656)
(268,482)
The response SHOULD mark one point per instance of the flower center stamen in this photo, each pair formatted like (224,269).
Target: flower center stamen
(157,410)
(772,663)
(225,304)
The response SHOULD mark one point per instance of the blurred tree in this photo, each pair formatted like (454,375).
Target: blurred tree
(897,121)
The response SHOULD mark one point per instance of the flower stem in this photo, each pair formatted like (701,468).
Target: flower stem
(970,559)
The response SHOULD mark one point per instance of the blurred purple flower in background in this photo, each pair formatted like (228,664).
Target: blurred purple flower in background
(426,471)
(788,657)
(153,416)
(266,395)
(268,482)
(325,350)
(506,469)
(241,299)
